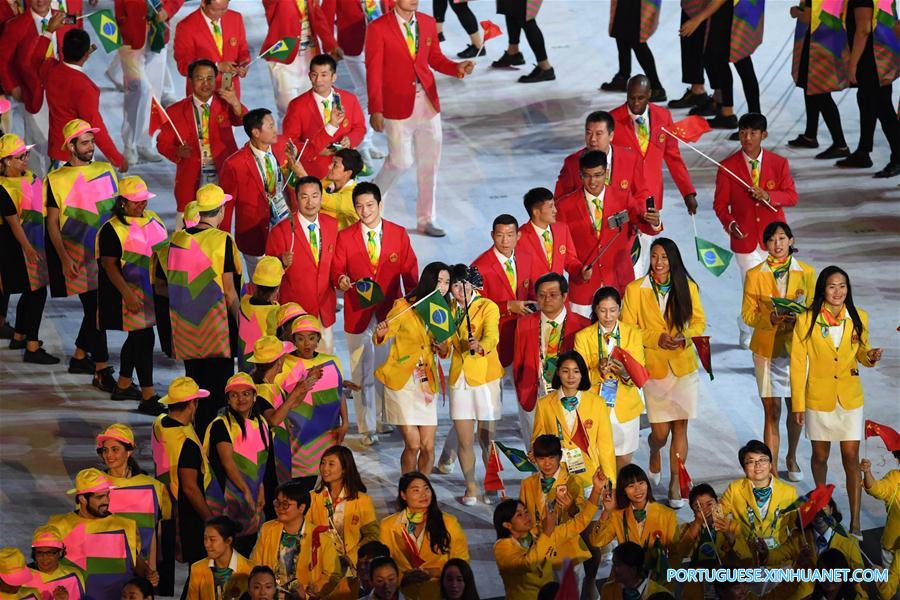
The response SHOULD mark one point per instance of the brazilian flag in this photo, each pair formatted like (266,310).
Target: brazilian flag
(715,258)
(435,313)
(786,305)
(635,250)
(518,458)
(104,23)
(369,293)
(280,50)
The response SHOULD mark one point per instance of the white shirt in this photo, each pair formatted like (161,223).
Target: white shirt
(609,163)
(502,260)
(589,199)
(209,24)
(837,334)
(378,233)
(645,115)
(570,415)
(305,225)
(546,328)
(39,26)
(78,68)
(320,104)
(232,564)
(540,233)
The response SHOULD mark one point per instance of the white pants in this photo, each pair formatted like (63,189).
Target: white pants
(526,425)
(326,342)
(745,262)
(356,69)
(581,309)
(36,127)
(143,74)
(364,357)
(643,262)
(290,80)
(416,139)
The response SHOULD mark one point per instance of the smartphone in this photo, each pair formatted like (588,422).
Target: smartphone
(70,19)
(618,219)
(651,204)
(561,489)
(718,513)
(531,306)
(227,79)
(337,102)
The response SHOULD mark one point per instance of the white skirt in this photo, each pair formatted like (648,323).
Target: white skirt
(773,376)
(479,403)
(625,435)
(838,425)
(672,398)
(407,406)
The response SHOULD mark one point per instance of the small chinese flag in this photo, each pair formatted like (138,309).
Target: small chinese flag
(816,500)
(691,129)
(415,559)
(492,30)
(701,343)
(158,116)
(636,370)
(492,481)
(568,585)
(889,435)
(580,438)
(684,479)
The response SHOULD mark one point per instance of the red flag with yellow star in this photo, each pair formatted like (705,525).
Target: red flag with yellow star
(816,500)
(889,435)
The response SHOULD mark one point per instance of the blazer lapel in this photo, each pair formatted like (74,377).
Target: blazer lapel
(362,250)
(253,167)
(400,36)
(627,123)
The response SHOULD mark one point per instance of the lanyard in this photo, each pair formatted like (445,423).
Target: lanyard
(262,172)
(600,343)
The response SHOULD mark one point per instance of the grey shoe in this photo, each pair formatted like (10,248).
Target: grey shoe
(148,154)
(431,230)
(369,439)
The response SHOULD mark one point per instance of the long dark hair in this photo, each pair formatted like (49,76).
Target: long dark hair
(629,474)
(118,209)
(132,462)
(434,518)
(471,590)
(819,300)
(353,483)
(679,307)
(427,281)
(602,294)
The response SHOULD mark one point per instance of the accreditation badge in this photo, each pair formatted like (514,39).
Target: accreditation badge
(278,210)
(608,390)
(574,460)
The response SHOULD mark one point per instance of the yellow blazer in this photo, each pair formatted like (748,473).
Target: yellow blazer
(660,519)
(889,587)
(478,370)
(640,308)
(411,342)
(628,400)
(833,375)
(613,591)
(788,552)
(739,502)
(392,528)
(534,499)
(202,586)
(549,419)
(339,204)
(526,570)
(324,576)
(887,490)
(360,522)
(759,289)
(689,548)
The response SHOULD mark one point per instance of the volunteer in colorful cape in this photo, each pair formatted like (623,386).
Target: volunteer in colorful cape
(126,252)
(50,576)
(468,21)
(421,538)
(887,489)
(84,192)
(458,581)
(302,557)
(337,192)
(15,576)
(741,206)
(261,584)
(237,445)
(692,60)
(204,310)
(580,419)
(830,342)
(754,505)
(106,546)
(224,571)
(779,276)
(874,65)
(340,504)
(665,305)
(527,549)
(412,384)
(260,307)
(820,64)
(184,469)
(385,580)
(24,267)
(284,317)
(522,15)
(629,577)
(632,23)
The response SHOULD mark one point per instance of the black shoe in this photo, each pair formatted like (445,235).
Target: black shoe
(689,100)
(6,331)
(857,160)
(802,141)
(658,95)
(619,83)
(508,61)
(538,75)
(40,357)
(132,392)
(707,109)
(152,407)
(441,37)
(82,366)
(891,170)
(471,52)
(723,122)
(104,380)
(15,344)
(735,137)
(833,151)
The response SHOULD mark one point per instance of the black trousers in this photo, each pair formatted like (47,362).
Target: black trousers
(463,13)
(644,57)
(725,82)
(90,339)
(692,54)
(875,104)
(4,305)
(137,355)
(823,104)
(210,374)
(29,312)
(515,26)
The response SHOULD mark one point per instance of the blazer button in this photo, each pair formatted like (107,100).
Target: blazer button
(835,359)
(835,376)
(757,219)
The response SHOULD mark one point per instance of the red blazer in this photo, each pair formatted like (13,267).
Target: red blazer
(569,178)
(7,12)
(397,261)
(303,121)
(297,285)
(661,147)
(565,256)
(72,95)
(527,353)
(221,141)
(496,288)
(17,44)
(283,17)
(131,16)
(351,22)
(391,73)
(194,40)
(733,203)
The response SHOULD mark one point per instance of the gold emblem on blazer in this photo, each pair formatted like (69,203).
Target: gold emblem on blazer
(623,184)
(232,42)
(854,339)
(220,119)
(527,283)
(662,138)
(331,247)
(345,123)
(562,249)
(589,423)
(428,41)
(770,184)
(393,257)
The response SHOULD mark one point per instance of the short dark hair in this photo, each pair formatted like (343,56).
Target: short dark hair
(383,561)
(144,586)
(366,187)
(351,159)
(546,445)
(294,491)
(573,355)
(753,121)
(323,59)
(372,549)
(260,570)
(601,116)
(534,197)
(309,180)
(773,227)
(201,62)
(504,219)
(206,214)
(226,527)
(76,44)
(254,119)
(591,160)
(631,555)
(550,278)
(754,446)
(504,513)
(701,489)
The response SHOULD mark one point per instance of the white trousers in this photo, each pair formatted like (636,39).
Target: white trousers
(35,129)
(290,80)
(356,69)
(581,309)
(643,261)
(143,74)
(745,262)
(416,139)
(364,357)
(326,342)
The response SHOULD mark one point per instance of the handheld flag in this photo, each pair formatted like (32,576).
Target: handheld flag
(369,292)
(492,30)
(636,370)
(281,50)
(568,585)
(435,313)
(786,305)
(518,458)
(701,343)
(691,129)
(715,258)
(492,481)
(889,435)
(635,251)
(580,438)
(684,479)
(104,23)
(816,500)
(159,117)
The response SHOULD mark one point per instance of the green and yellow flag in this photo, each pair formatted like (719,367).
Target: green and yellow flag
(104,23)
(786,305)
(435,313)
(715,258)
(280,50)
(369,293)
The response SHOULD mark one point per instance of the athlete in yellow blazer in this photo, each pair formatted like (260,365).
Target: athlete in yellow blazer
(739,502)
(619,524)
(478,368)
(411,343)
(887,489)
(323,576)
(202,586)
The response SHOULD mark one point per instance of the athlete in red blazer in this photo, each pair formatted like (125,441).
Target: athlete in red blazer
(8,11)
(283,17)
(565,256)
(194,40)
(569,178)
(306,282)
(351,22)
(131,17)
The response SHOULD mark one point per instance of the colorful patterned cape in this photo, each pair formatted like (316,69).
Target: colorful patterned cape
(693,7)
(829,54)
(69,577)
(28,197)
(649,16)
(886,43)
(145,501)
(746,28)
(256,320)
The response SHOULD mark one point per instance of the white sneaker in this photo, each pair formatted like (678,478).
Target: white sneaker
(131,155)
(744,339)
(676,503)
(446,468)
(654,478)
(369,439)
(148,154)
(468,500)
(795,476)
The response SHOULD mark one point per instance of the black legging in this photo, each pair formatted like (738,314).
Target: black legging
(137,355)
(29,312)
(744,68)
(645,59)
(463,13)
(875,104)
(823,104)
(210,374)
(90,339)
(692,54)
(533,34)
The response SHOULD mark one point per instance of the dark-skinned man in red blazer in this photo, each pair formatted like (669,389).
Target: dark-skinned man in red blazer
(640,127)
(547,240)
(305,243)
(401,50)
(587,212)
(540,338)
(746,206)
(322,117)
(371,248)
(216,33)
(204,120)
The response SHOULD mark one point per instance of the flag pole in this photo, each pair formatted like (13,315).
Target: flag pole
(721,166)
(712,538)
(411,306)
(694,223)
(590,265)
(168,119)
(263,53)
(85,16)
(299,154)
